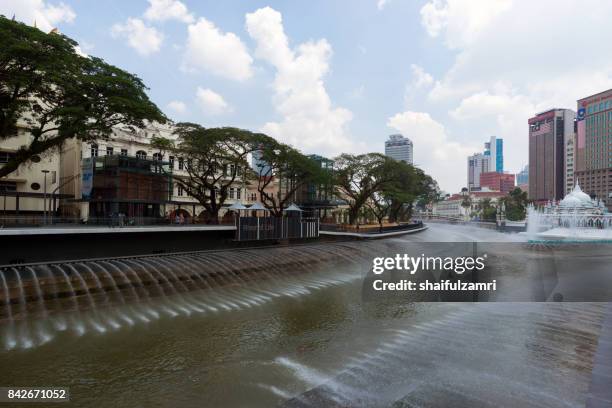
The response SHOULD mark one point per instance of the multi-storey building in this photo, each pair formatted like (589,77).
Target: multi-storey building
(593,146)
(569,163)
(476,164)
(495,149)
(548,135)
(495,181)
(399,148)
(131,177)
(32,188)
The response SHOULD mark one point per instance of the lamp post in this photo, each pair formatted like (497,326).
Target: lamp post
(45,197)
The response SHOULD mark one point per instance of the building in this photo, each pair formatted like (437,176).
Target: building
(523,176)
(477,164)
(494,148)
(548,135)
(29,189)
(125,174)
(569,162)
(317,200)
(496,181)
(451,208)
(399,148)
(593,146)
(260,166)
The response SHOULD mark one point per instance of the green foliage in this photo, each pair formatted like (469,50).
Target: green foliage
(487,210)
(386,186)
(516,205)
(59,94)
(215,160)
(162,144)
(293,170)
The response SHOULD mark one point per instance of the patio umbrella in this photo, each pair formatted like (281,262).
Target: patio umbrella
(293,207)
(257,207)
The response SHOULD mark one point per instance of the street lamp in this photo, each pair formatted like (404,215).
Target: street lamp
(45,197)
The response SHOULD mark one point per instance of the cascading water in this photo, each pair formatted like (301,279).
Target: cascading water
(104,295)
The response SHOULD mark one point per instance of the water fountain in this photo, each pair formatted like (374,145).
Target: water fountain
(575,218)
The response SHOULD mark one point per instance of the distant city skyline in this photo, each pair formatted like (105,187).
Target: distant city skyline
(321,86)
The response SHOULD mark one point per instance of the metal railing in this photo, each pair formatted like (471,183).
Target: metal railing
(262,228)
(7,221)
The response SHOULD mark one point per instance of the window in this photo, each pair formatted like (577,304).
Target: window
(8,186)
(231,193)
(171,160)
(141,154)
(181,163)
(6,156)
(238,190)
(124,152)
(109,150)
(157,156)
(94,150)
(179,190)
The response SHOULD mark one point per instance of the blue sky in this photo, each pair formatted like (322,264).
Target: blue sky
(334,76)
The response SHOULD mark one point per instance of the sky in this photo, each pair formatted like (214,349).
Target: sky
(341,76)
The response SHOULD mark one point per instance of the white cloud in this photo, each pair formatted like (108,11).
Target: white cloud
(309,120)
(420,78)
(381,4)
(223,54)
(177,107)
(461,20)
(211,102)
(434,151)
(162,10)
(46,15)
(144,39)
(511,62)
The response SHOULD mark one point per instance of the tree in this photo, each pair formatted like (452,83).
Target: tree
(516,205)
(293,170)
(358,177)
(162,144)
(487,210)
(215,159)
(47,87)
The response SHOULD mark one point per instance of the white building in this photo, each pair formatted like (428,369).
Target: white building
(399,148)
(22,192)
(133,145)
(476,164)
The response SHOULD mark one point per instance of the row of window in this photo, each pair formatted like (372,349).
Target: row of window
(141,154)
(6,156)
(233,193)
(599,107)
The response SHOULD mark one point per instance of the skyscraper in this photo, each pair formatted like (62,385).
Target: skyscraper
(399,148)
(523,176)
(593,146)
(478,163)
(548,135)
(495,148)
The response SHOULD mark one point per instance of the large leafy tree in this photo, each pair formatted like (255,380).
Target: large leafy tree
(57,94)
(358,177)
(405,185)
(516,204)
(215,160)
(292,169)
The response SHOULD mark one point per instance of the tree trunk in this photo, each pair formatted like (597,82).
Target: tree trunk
(353,215)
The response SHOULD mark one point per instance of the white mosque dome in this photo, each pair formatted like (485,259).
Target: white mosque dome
(577,199)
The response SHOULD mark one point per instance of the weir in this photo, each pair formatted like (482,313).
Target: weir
(108,293)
